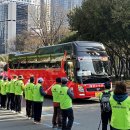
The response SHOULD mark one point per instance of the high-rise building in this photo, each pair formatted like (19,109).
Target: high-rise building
(35,2)
(47,13)
(67,4)
(53,7)
(14,19)
(3,26)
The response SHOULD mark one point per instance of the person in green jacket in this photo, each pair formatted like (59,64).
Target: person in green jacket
(29,97)
(66,96)
(38,98)
(19,87)
(104,98)
(12,93)
(8,93)
(56,119)
(3,93)
(120,105)
(1,81)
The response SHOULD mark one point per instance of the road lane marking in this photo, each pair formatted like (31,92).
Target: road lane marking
(15,119)
(50,126)
(46,114)
(76,123)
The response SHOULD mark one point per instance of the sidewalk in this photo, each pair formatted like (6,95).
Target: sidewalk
(47,108)
(47,113)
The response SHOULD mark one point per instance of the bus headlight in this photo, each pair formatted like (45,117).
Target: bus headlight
(80,88)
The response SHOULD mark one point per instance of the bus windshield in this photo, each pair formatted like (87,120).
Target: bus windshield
(94,66)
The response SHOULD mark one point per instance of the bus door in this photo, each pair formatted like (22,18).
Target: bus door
(69,68)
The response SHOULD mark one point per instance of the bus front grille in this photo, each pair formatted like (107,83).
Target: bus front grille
(95,89)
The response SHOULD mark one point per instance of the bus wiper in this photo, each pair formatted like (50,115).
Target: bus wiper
(93,74)
(101,74)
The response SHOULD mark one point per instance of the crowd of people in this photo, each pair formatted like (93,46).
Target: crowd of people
(115,105)
(12,91)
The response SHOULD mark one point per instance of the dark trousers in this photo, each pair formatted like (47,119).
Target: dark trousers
(18,103)
(3,101)
(67,119)
(29,108)
(106,117)
(37,111)
(8,101)
(57,117)
(12,98)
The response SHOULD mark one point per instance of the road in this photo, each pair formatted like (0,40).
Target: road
(86,112)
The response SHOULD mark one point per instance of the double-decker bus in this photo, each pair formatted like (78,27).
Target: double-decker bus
(84,63)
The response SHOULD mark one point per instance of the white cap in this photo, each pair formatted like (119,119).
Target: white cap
(40,80)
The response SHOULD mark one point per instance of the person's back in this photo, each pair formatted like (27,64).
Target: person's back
(66,96)
(30,87)
(12,92)
(12,85)
(3,93)
(120,104)
(8,93)
(105,105)
(29,97)
(38,98)
(3,87)
(19,87)
(55,92)
(104,101)
(1,81)
(56,119)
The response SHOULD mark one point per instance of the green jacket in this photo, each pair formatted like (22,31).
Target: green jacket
(120,114)
(19,87)
(3,88)
(29,91)
(65,100)
(55,92)
(8,87)
(37,97)
(1,82)
(12,86)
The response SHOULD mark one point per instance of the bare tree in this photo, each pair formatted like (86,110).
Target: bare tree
(25,42)
(44,28)
(47,25)
(32,43)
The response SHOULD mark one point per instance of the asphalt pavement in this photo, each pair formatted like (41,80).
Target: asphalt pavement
(86,113)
